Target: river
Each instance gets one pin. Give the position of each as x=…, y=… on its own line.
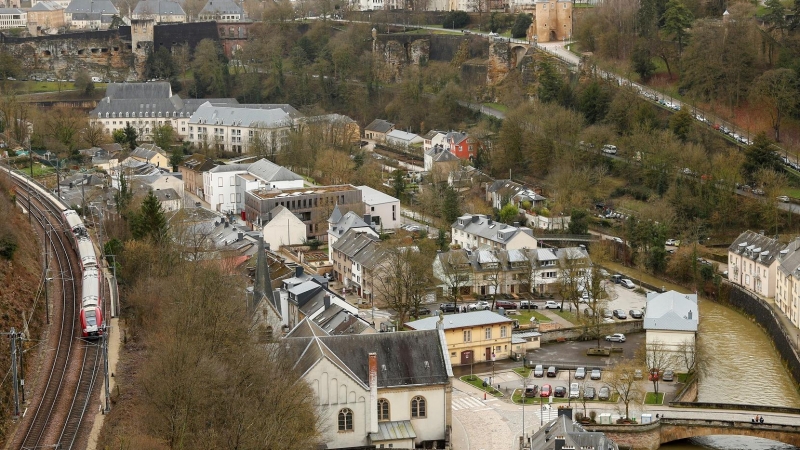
x=745, y=369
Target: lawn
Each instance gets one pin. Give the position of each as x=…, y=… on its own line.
x=524, y=316
x=524, y=372
x=567, y=314
x=682, y=377
x=478, y=383
x=654, y=399
x=497, y=106
x=34, y=87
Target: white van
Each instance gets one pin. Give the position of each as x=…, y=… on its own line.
x=610, y=149
x=96, y=79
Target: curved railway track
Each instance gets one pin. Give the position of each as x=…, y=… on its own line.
x=62, y=397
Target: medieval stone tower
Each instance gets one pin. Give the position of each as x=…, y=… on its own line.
x=553, y=20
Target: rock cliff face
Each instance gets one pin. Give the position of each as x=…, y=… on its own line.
x=398, y=53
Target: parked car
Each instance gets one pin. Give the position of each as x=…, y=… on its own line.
x=550, y=304
x=616, y=337
x=653, y=375
x=604, y=393
x=783, y=198
x=607, y=314
x=627, y=283
x=610, y=149
x=604, y=273
x=538, y=371
x=588, y=392
x=596, y=374
x=552, y=372
x=670, y=242
x=447, y=307
x=637, y=374
x=620, y=314
x=668, y=375
x=580, y=373
x=527, y=304
x=617, y=279
x=479, y=306
x=531, y=391
x=636, y=314
x=423, y=311
x=546, y=391
x=574, y=390
x=559, y=391
x=505, y=304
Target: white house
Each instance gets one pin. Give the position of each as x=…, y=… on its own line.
x=439, y=155
x=339, y=224
x=383, y=389
x=221, y=11
x=473, y=230
x=402, y=139
x=170, y=199
x=237, y=128
x=90, y=14
x=670, y=323
x=220, y=189
x=283, y=228
x=13, y=18
x=160, y=11
x=384, y=210
x=753, y=263
x=787, y=292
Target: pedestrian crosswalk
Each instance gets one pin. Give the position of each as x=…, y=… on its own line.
x=467, y=403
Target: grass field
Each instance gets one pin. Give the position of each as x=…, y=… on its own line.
x=654, y=399
x=497, y=106
x=524, y=372
x=525, y=315
x=478, y=383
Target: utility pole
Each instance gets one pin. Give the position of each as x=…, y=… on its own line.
x=22, y=364
x=105, y=363
x=46, y=272
x=14, y=371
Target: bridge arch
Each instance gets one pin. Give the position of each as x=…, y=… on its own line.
x=780, y=433
x=517, y=53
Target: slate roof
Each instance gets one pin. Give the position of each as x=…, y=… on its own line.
x=372, y=196
x=402, y=136
x=379, y=126
x=198, y=163
x=222, y=168
x=404, y=358
x=269, y=171
x=482, y=226
x=370, y=256
x=790, y=258
x=145, y=152
x=393, y=430
x=671, y=311
x=46, y=5
x=306, y=328
x=348, y=221
x=336, y=320
x=756, y=247
x=431, y=134
x=353, y=241
x=153, y=89
x=336, y=215
x=151, y=99
x=92, y=6
x=11, y=11
x=470, y=319
x=159, y=7
x=441, y=155
x=456, y=137
x=242, y=117
x=221, y=7
x=562, y=432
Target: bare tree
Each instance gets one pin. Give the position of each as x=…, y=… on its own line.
x=403, y=279
x=571, y=276
x=657, y=357
x=622, y=380
x=94, y=135
x=455, y=271
x=592, y=318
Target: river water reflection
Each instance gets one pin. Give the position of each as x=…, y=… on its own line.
x=744, y=368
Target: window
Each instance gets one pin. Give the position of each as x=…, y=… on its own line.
x=418, y=407
x=467, y=335
x=383, y=409
x=220, y=181
x=233, y=198
x=487, y=333
x=346, y=420
x=503, y=331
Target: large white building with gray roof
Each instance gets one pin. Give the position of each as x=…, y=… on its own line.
x=787, y=291
x=145, y=106
x=242, y=129
x=159, y=11
x=753, y=262
x=671, y=321
x=473, y=230
x=90, y=14
x=221, y=11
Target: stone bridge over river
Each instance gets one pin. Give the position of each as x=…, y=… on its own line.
x=782, y=425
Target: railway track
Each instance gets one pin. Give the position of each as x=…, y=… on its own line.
x=62, y=395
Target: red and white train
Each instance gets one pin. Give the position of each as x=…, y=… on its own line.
x=91, y=312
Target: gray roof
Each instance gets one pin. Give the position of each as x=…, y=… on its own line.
x=404, y=358
x=242, y=117
x=160, y=7
x=92, y=6
x=229, y=168
x=153, y=99
x=756, y=247
x=402, y=135
x=221, y=7
x=164, y=195
x=372, y=196
x=379, y=126
x=348, y=221
x=431, y=134
x=336, y=320
x=790, y=258
x=441, y=155
x=46, y=5
x=336, y=215
x=353, y=241
x=483, y=226
x=269, y=171
x=671, y=311
x=393, y=430
x=370, y=256
x=153, y=89
x=470, y=319
x=562, y=432
x=11, y=11
x=146, y=152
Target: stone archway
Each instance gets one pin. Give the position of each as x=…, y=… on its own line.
x=517, y=53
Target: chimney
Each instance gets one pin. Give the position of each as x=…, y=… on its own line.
x=489, y=222
x=516, y=224
x=326, y=301
x=558, y=444
x=239, y=236
x=373, y=392
x=690, y=315
x=298, y=271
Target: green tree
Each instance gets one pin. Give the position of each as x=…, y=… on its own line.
x=521, y=25
x=550, y=83
x=509, y=213
x=451, y=208
x=160, y=65
x=778, y=90
x=150, y=222
x=677, y=21
x=760, y=155
x=398, y=183
x=83, y=82
x=594, y=102
x=210, y=69
x=164, y=136
x=681, y=123
x=130, y=136
x=123, y=195
x=455, y=19
x=119, y=137
x=642, y=61
x=578, y=222
x=775, y=15
x=175, y=159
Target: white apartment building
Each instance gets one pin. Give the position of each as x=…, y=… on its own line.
x=221, y=11
x=670, y=322
x=787, y=292
x=384, y=210
x=13, y=18
x=220, y=187
x=159, y=11
x=90, y=14
x=235, y=128
x=753, y=263
x=473, y=230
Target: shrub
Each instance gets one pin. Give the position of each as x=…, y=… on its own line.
x=8, y=245
x=520, y=28
x=455, y=19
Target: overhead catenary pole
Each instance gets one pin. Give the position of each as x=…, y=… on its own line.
x=14, y=371
x=46, y=272
x=105, y=364
x=21, y=337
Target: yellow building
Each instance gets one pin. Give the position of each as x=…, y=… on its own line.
x=472, y=337
x=553, y=21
